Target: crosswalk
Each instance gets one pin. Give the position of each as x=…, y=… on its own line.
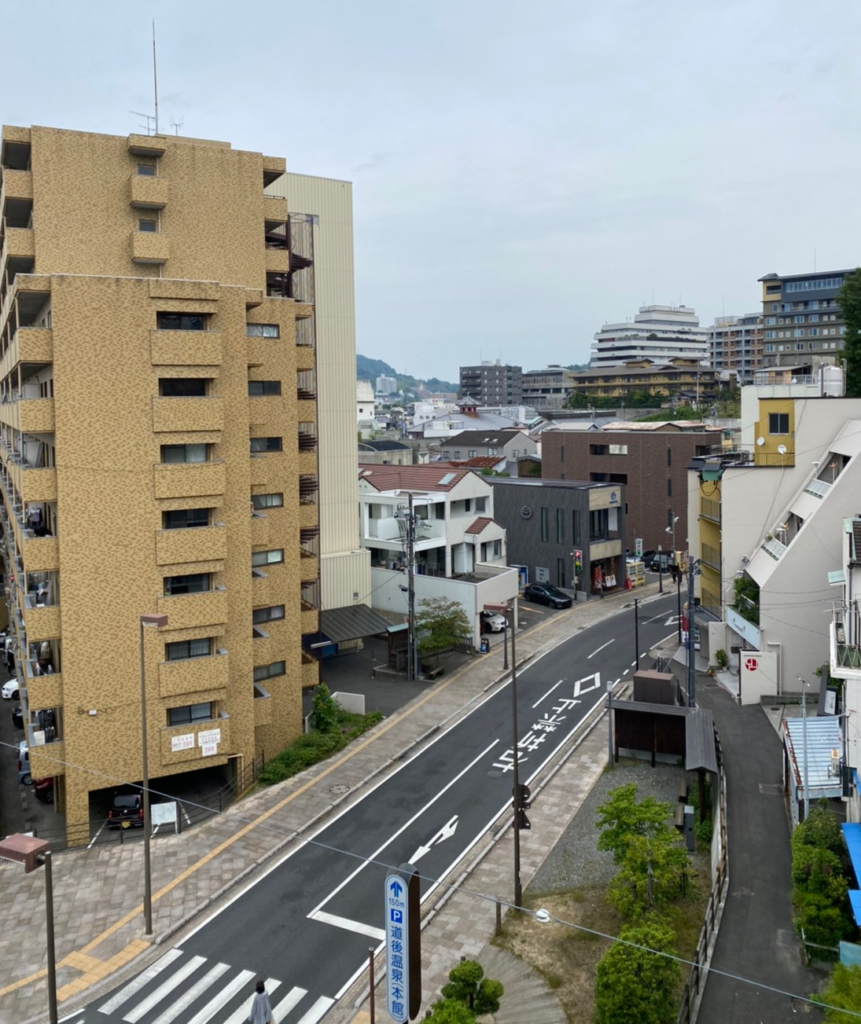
x=184, y=989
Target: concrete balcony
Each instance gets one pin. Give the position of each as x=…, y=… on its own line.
x=41, y=554
x=275, y=209
x=35, y=415
x=48, y=760
x=41, y=623
x=181, y=743
x=310, y=671
x=305, y=357
x=309, y=621
x=38, y=484
x=263, y=706
x=19, y=242
x=259, y=530
x=185, y=348
x=149, y=247
x=29, y=345
x=182, y=415
x=260, y=588
x=193, y=544
x=189, y=611
x=309, y=515
x=44, y=691
x=307, y=463
x=261, y=647
x=147, y=192
x=16, y=185
x=277, y=261
x=193, y=675
x=306, y=411
x=188, y=479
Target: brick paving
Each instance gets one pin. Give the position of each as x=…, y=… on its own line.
x=97, y=893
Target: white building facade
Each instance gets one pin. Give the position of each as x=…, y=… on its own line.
x=659, y=333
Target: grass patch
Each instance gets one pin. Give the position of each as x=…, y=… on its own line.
x=313, y=747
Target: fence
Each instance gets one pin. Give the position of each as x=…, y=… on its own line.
x=191, y=813
x=696, y=981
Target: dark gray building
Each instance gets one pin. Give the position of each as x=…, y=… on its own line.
x=492, y=383
x=564, y=532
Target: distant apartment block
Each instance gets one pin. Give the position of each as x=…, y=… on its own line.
x=687, y=379
x=492, y=383
x=735, y=344
x=157, y=361
x=802, y=323
x=549, y=388
x=660, y=333
x=386, y=385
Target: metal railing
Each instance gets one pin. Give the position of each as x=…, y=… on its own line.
x=818, y=488
x=710, y=509
x=774, y=548
x=710, y=555
x=696, y=980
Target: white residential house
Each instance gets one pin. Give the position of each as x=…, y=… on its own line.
x=459, y=552
x=772, y=513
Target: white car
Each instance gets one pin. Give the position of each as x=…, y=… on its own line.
x=10, y=690
x=493, y=621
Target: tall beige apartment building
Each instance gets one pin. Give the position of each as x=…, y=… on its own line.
x=158, y=454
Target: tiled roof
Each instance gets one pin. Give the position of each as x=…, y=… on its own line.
x=479, y=437
x=438, y=476
x=479, y=524
x=479, y=461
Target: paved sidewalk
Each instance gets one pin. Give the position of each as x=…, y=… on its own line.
x=98, y=913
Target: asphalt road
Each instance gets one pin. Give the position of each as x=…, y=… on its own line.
x=307, y=924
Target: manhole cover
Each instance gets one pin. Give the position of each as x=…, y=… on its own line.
x=339, y=790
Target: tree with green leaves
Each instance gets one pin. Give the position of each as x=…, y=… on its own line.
x=621, y=818
x=636, y=982
x=842, y=991
x=440, y=625
x=849, y=300
x=324, y=709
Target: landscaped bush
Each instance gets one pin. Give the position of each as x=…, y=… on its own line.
x=313, y=747
x=820, y=887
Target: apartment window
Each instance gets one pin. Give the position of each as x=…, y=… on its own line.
x=799, y=319
x=480, y=504
x=193, y=583
x=799, y=346
x=598, y=524
x=769, y=334
x=778, y=423
x=561, y=452
x=471, y=453
x=264, y=387
x=497, y=549
x=457, y=455
x=560, y=525
x=813, y=318
x=814, y=332
x=182, y=650
x=183, y=387
x=260, y=501
x=266, y=444
x=191, y=713
x=814, y=345
x=799, y=333
x=185, y=518
x=774, y=307
x=599, y=449
x=267, y=557
x=669, y=456
x=184, y=452
x=618, y=449
x=491, y=451
x=147, y=224
x=262, y=330
x=181, y=321
x=270, y=614
x=669, y=487
x=275, y=668
x=575, y=526
x=146, y=170
x=446, y=455
x=770, y=321
x=545, y=524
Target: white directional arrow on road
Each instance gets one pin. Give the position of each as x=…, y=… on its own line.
x=673, y=620
x=446, y=832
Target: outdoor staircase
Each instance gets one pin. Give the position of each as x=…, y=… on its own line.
x=527, y=996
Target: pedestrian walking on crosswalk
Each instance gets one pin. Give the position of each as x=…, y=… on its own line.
x=261, y=1011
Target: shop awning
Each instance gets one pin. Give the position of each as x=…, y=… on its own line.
x=351, y=623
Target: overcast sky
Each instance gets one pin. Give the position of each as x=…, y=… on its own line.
x=523, y=172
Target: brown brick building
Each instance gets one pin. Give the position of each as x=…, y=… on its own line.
x=649, y=460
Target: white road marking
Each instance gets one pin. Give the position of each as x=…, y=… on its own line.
x=552, y=688
x=293, y=998
x=446, y=832
x=627, y=670
x=129, y=990
x=96, y=836
x=324, y=917
x=240, y=1016
x=403, y=828
x=317, y=1010
x=189, y=996
x=163, y=990
x=601, y=648
x=580, y=690
x=223, y=997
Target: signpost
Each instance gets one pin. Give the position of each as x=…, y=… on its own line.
x=403, y=950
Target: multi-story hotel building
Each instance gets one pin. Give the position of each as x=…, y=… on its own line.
x=158, y=455
x=659, y=333
x=735, y=343
x=802, y=321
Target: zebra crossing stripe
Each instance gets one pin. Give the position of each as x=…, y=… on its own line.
x=223, y=997
x=127, y=991
x=193, y=993
x=240, y=1016
x=287, y=1003
x=317, y=1010
x=174, y=981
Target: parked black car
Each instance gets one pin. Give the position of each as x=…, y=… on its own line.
x=18, y=717
x=126, y=811
x=544, y=593
x=661, y=561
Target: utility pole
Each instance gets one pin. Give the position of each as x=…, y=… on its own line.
x=637, y=632
x=411, y=590
x=693, y=570
x=518, y=806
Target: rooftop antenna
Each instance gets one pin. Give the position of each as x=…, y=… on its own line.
x=149, y=118
x=176, y=125
x=154, y=77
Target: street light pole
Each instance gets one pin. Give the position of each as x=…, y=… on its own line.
x=637, y=632
x=518, y=891
x=158, y=621
x=505, y=645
